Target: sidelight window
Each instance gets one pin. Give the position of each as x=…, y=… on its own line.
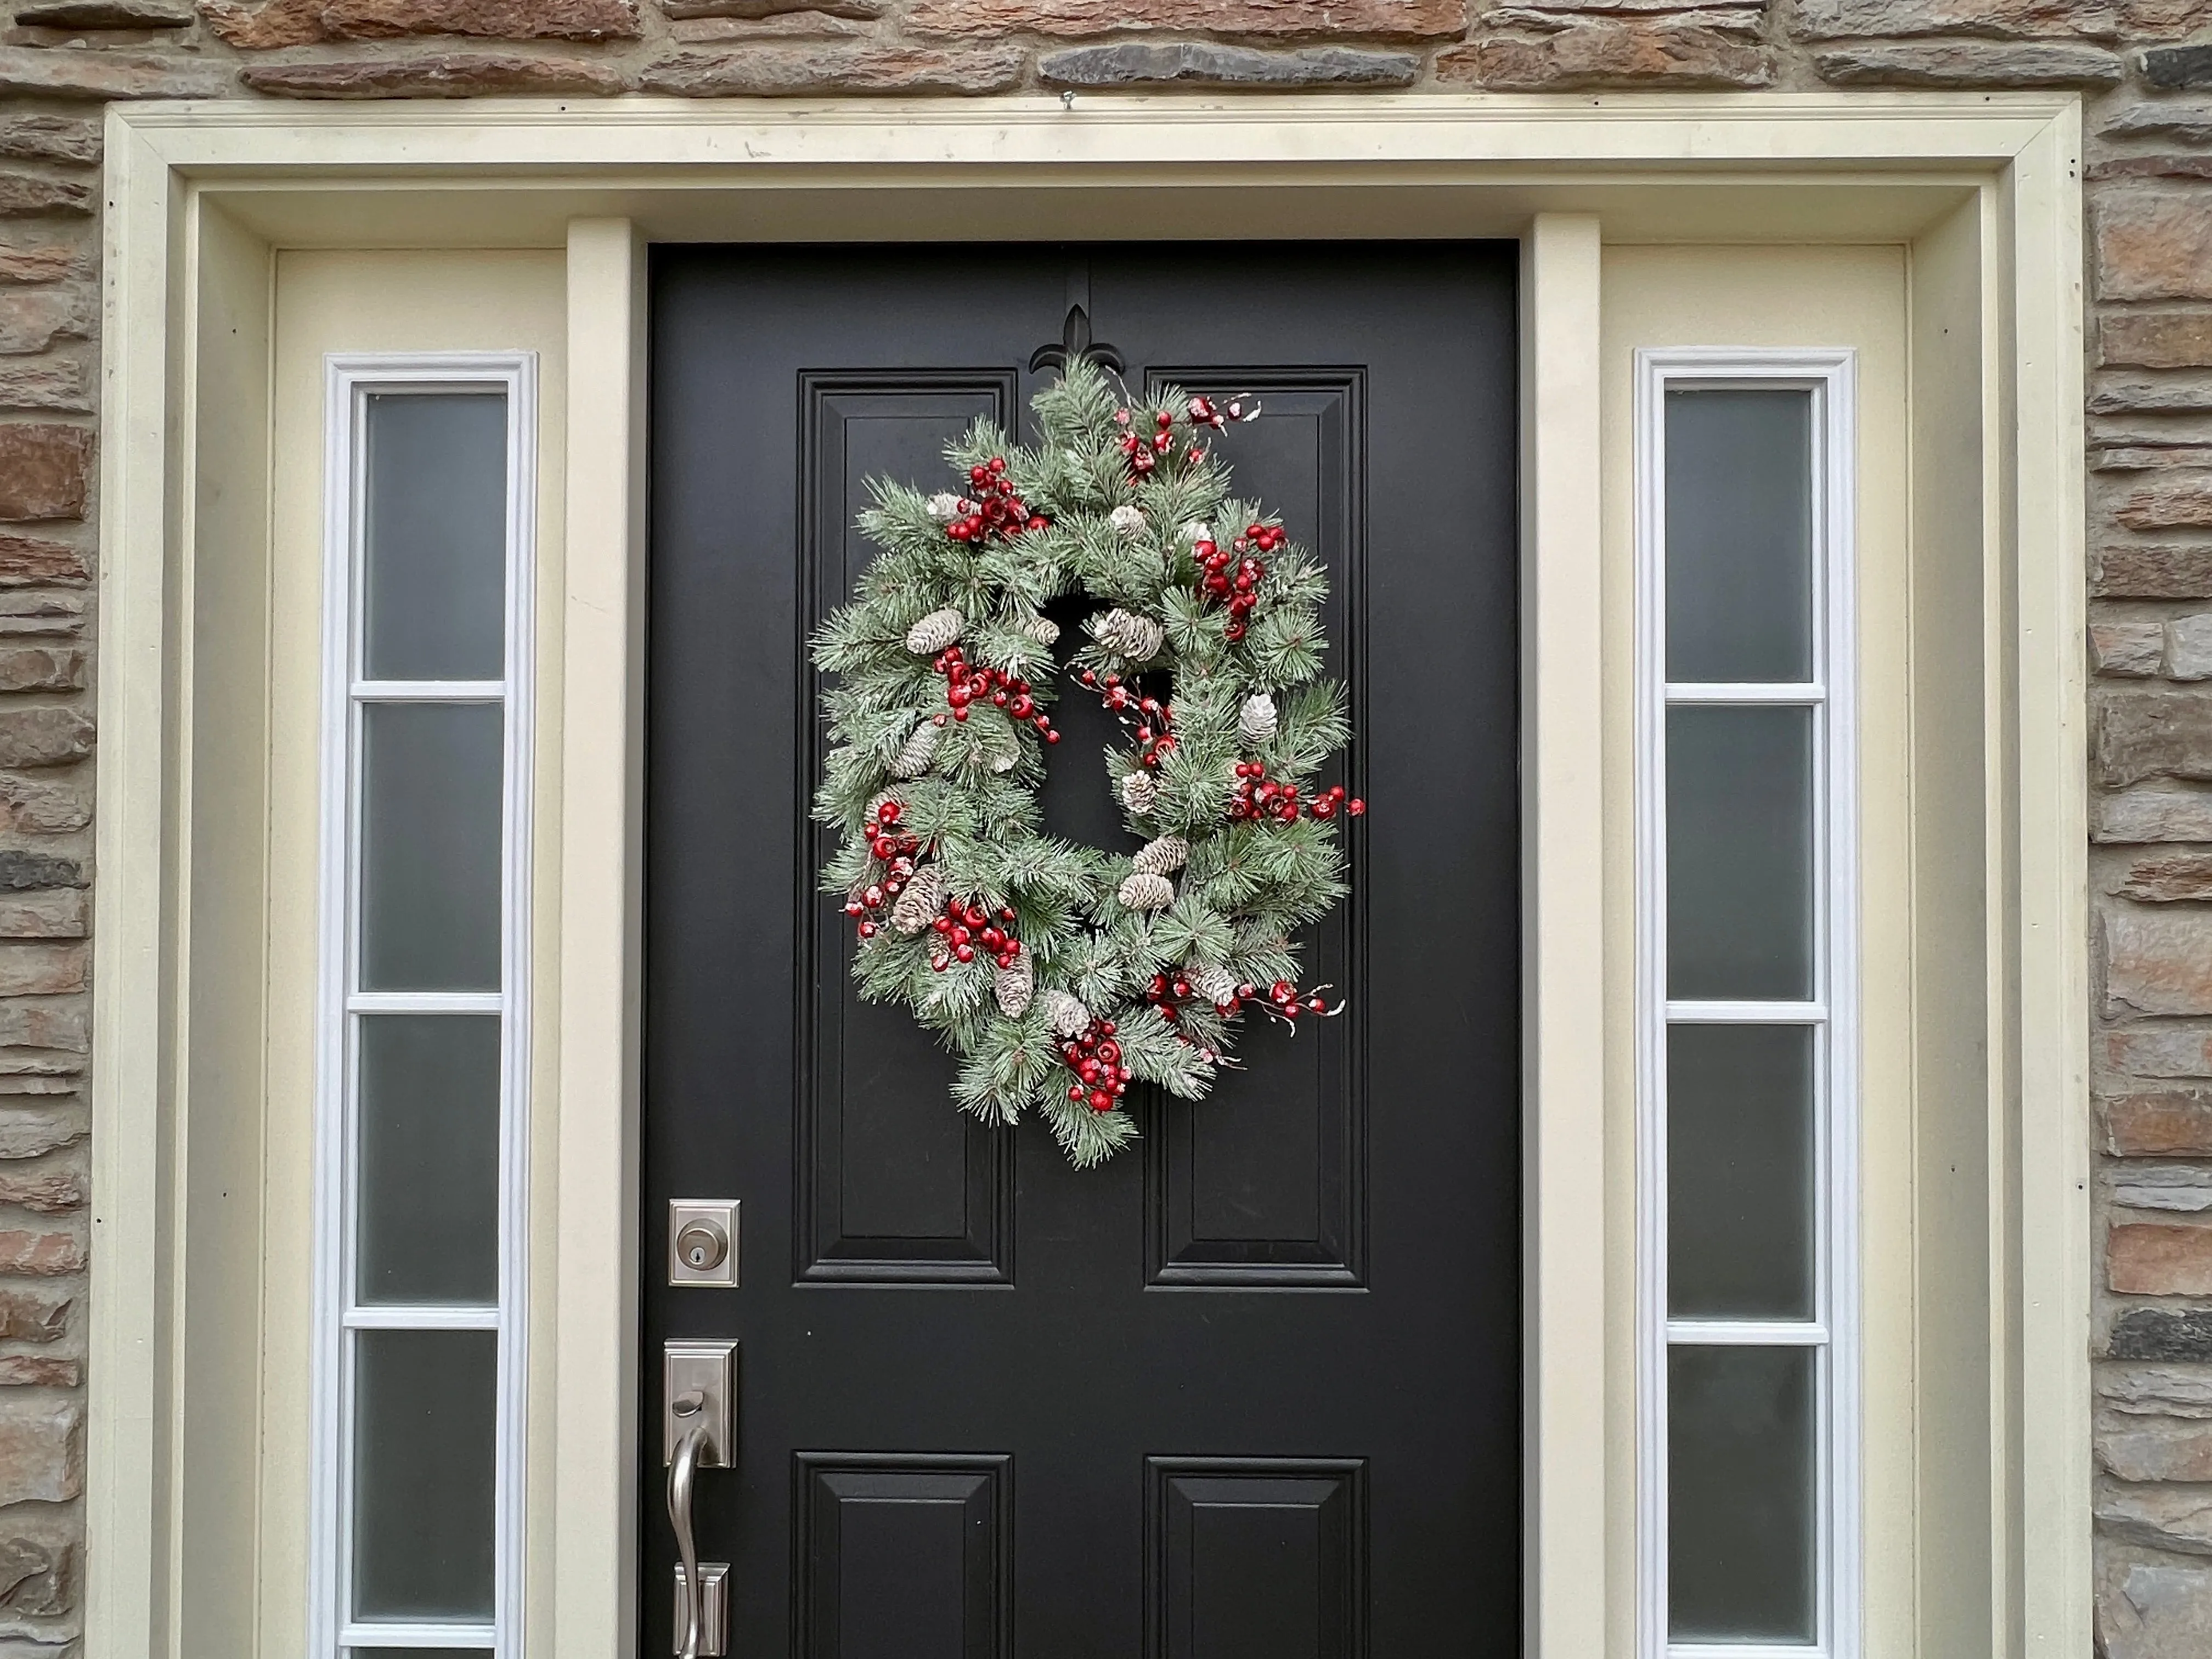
x=420, y=1202
x=1748, y=1108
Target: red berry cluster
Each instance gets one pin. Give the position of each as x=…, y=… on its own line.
x=1259, y=797
x=1101, y=1079
x=997, y=511
x=1152, y=721
x=896, y=849
x=968, y=928
x=1239, y=588
x=1168, y=992
x=1145, y=453
x=966, y=682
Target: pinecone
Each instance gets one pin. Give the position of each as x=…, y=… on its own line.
x=1128, y=520
x=876, y=803
x=1005, y=752
x=1013, y=985
x=1255, y=721
x=1161, y=857
x=1042, y=629
x=1212, y=981
x=1066, y=1016
x=1144, y=889
x=1139, y=793
x=1197, y=530
x=914, y=755
x=1127, y=635
x=920, y=900
x=934, y=632
x=944, y=506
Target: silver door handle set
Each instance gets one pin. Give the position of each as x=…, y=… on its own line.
x=698, y=1417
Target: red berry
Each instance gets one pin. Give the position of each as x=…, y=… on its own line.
x=867, y=930
x=1355, y=807
x=965, y=953
x=1101, y=1100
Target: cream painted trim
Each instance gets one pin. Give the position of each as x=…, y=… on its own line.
x=1866, y=166
x=602, y=811
x=1563, y=933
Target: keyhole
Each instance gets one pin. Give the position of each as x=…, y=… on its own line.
x=703, y=1245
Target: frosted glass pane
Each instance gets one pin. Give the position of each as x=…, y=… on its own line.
x=1740, y=852
x=431, y=784
x=429, y=1158
x=435, y=524
x=1739, y=1171
x=423, y=1460
x=1739, y=535
x=1741, y=1534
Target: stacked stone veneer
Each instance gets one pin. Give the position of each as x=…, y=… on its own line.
x=2145, y=67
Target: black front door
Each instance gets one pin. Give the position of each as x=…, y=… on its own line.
x=1251, y=1390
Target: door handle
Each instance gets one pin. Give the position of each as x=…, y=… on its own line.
x=698, y=1406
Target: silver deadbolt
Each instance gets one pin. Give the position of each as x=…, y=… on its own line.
x=703, y=1245
x=702, y=1241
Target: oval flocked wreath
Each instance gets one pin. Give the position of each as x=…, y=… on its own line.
x=1060, y=973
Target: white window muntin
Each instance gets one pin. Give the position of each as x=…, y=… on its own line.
x=340, y=1312
x=1830, y=1012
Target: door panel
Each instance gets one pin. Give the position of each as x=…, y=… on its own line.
x=1253, y=1387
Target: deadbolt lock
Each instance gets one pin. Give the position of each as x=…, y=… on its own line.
x=702, y=1241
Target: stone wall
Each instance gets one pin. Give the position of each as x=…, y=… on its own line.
x=2145, y=67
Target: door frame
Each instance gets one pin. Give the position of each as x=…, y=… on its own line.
x=1985, y=190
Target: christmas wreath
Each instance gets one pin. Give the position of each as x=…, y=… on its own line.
x=1061, y=974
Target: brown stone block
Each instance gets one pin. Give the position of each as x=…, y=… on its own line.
x=34, y=1312
x=33, y=318
x=38, y=259
x=2136, y=816
x=2178, y=1518
x=2157, y=1123
x=47, y=1186
x=761, y=9
x=303, y=22
x=2145, y=1258
x=840, y=66
x=2173, y=397
x=1210, y=63
x=24, y=1250
x=2131, y=650
x=2155, y=244
x=1412, y=19
x=38, y=1570
x=42, y=969
x=49, y=139
x=42, y=1127
x=2157, y=1451
x=2156, y=339
x=2191, y=124
x=46, y=470
x=784, y=26
x=2157, y=963
x=1608, y=51
x=46, y=384
x=41, y=668
x=2146, y=734
x=25, y=71
x=51, y=736
x=50, y=913
x=2083, y=19
x=2149, y=167
x=24, y=194
x=41, y=1450
x=27, y=561
x=2167, y=877
x=2167, y=504
x=438, y=74
x=1963, y=63
x=2137, y=571
x=35, y=1371
x=105, y=14
x=38, y=806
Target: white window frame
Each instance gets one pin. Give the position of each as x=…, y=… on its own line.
x=349, y=379
x=1829, y=376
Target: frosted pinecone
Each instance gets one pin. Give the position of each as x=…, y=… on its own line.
x=1162, y=857
x=944, y=506
x=1127, y=635
x=1004, y=752
x=1128, y=520
x=1066, y=1016
x=1197, y=530
x=1256, y=720
x=935, y=631
x=877, y=802
x=914, y=755
x=1212, y=981
x=1044, y=629
x=920, y=900
x=1144, y=889
x=1013, y=985
x=1139, y=793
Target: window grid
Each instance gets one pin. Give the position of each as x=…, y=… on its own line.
x=1828, y=1013
x=341, y=1316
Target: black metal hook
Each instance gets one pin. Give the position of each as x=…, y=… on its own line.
x=1075, y=342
